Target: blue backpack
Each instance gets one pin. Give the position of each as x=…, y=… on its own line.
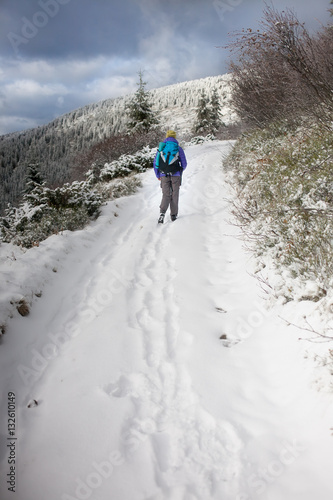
x=168, y=161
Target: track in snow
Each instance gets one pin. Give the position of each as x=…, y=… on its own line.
x=141, y=399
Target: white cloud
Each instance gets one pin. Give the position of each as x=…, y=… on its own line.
x=109, y=87
x=171, y=57
x=43, y=90
x=10, y=123
x=66, y=71
x=23, y=89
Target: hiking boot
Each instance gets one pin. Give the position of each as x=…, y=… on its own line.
x=161, y=219
x=173, y=217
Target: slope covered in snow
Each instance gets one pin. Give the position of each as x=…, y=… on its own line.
x=157, y=370
x=175, y=105
x=62, y=141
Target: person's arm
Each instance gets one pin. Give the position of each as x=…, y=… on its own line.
x=182, y=157
x=156, y=170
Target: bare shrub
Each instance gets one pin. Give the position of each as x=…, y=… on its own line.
x=282, y=72
x=112, y=148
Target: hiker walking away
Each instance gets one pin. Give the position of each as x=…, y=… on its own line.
x=169, y=163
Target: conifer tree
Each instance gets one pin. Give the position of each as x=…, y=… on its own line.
x=34, y=192
x=33, y=178
x=208, y=114
x=203, y=114
x=140, y=113
x=215, y=112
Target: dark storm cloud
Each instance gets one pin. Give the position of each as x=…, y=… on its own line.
x=84, y=28
x=68, y=28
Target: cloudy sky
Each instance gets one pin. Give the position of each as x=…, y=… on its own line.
x=58, y=55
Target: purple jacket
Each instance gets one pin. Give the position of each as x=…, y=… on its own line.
x=182, y=158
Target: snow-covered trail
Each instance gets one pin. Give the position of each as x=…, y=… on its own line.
x=139, y=398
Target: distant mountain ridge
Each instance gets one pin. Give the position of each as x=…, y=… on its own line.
x=56, y=144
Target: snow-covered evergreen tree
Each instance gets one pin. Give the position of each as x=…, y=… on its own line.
x=203, y=111
x=141, y=115
x=34, y=193
x=34, y=178
x=208, y=113
x=215, y=112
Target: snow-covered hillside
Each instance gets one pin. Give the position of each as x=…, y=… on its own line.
x=175, y=104
x=57, y=145
x=150, y=368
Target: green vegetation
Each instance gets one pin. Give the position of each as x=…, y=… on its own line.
x=281, y=169
x=45, y=211
x=283, y=180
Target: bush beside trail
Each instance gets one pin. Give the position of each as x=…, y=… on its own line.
x=283, y=184
x=45, y=211
x=282, y=71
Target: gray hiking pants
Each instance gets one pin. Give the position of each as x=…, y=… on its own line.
x=170, y=193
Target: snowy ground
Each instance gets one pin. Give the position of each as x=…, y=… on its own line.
x=138, y=396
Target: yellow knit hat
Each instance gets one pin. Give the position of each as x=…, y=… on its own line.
x=171, y=133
